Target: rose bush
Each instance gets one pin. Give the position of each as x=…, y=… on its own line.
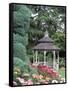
x=47, y=71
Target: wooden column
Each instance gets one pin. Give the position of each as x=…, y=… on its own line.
x=33, y=57
x=57, y=60
x=54, y=58
x=44, y=57
x=36, y=55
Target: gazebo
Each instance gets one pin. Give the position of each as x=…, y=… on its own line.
x=45, y=45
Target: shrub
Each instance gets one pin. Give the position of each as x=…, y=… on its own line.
x=20, y=67
x=20, y=51
x=62, y=62
x=47, y=71
x=20, y=39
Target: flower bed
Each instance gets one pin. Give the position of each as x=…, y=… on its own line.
x=45, y=75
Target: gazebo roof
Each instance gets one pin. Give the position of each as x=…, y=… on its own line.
x=45, y=40
x=46, y=46
x=46, y=43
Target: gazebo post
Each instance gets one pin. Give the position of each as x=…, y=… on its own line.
x=44, y=57
x=54, y=57
x=57, y=60
x=33, y=56
x=36, y=55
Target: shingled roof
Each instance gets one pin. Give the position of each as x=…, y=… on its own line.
x=46, y=43
x=45, y=40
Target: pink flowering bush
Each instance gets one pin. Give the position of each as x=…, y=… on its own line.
x=47, y=71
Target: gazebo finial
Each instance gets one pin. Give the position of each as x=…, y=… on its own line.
x=46, y=34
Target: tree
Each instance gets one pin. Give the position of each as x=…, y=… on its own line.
x=21, y=17
x=19, y=39
x=59, y=40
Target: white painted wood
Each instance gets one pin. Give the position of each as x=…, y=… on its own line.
x=54, y=58
x=57, y=60
x=36, y=55
x=44, y=57
x=33, y=57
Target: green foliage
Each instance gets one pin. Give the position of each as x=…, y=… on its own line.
x=40, y=56
x=21, y=19
x=19, y=30
x=18, y=68
x=21, y=16
x=21, y=39
x=62, y=62
x=20, y=64
x=59, y=39
x=33, y=70
x=20, y=51
x=50, y=18
x=17, y=62
x=62, y=72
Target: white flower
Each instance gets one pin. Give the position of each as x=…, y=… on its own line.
x=54, y=81
x=25, y=83
x=21, y=80
x=62, y=80
x=14, y=83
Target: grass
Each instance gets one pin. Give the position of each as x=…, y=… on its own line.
x=62, y=72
